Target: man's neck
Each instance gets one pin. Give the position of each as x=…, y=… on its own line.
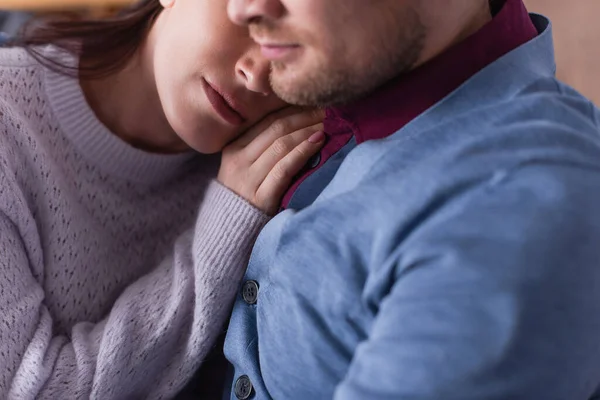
x=445, y=36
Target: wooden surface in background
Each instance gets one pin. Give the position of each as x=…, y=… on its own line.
x=38, y=5
x=577, y=41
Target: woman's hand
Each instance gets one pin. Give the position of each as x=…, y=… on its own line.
x=260, y=165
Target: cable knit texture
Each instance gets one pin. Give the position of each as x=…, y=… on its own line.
x=108, y=288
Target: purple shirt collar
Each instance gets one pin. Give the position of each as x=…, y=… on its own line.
x=400, y=101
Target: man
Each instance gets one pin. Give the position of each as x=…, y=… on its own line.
x=446, y=245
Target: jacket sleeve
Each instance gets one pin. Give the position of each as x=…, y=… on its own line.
x=496, y=296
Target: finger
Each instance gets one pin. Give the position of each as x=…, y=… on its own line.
x=281, y=128
x=280, y=177
x=279, y=149
x=264, y=124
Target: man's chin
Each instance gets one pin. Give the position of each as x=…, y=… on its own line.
x=304, y=93
x=315, y=86
x=292, y=96
x=286, y=86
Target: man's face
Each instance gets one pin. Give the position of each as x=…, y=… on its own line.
x=326, y=52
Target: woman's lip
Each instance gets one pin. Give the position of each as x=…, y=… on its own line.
x=278, y=52
x=221, y=106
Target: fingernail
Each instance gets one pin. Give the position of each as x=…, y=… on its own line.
x=317, y=137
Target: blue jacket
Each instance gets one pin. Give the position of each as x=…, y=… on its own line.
x=457, y=259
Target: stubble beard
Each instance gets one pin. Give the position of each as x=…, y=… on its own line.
x=331, y=82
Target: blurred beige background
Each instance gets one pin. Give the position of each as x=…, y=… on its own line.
x=577, y=41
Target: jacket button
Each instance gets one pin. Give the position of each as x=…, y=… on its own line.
x=250, y=292
x=243, y=388
x=314, y=161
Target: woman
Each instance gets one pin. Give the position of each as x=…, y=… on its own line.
x=99, y=183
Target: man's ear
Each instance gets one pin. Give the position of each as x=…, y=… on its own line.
x=167, y=3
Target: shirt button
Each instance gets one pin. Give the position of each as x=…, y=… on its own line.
x=314, y=161
x=250, y=292
x=243, y=388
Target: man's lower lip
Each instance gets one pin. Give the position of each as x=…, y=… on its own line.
x=221, y=107
x=278, y=53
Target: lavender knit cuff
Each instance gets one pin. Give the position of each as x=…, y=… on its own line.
x=226, y=229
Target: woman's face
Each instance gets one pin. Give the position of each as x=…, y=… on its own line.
x=212, y=81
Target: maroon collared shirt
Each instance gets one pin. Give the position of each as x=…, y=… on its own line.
x=397, y=103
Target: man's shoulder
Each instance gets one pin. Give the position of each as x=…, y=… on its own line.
x=546, y=133
x=551, y=99
x=547, y=121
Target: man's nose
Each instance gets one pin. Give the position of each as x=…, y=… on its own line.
x=242, y=12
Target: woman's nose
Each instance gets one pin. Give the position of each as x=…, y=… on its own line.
x=254, y=70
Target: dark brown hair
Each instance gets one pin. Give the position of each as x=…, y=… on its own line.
x=104, y=46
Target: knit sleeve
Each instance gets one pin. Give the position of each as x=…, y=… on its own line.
x=157, y=332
